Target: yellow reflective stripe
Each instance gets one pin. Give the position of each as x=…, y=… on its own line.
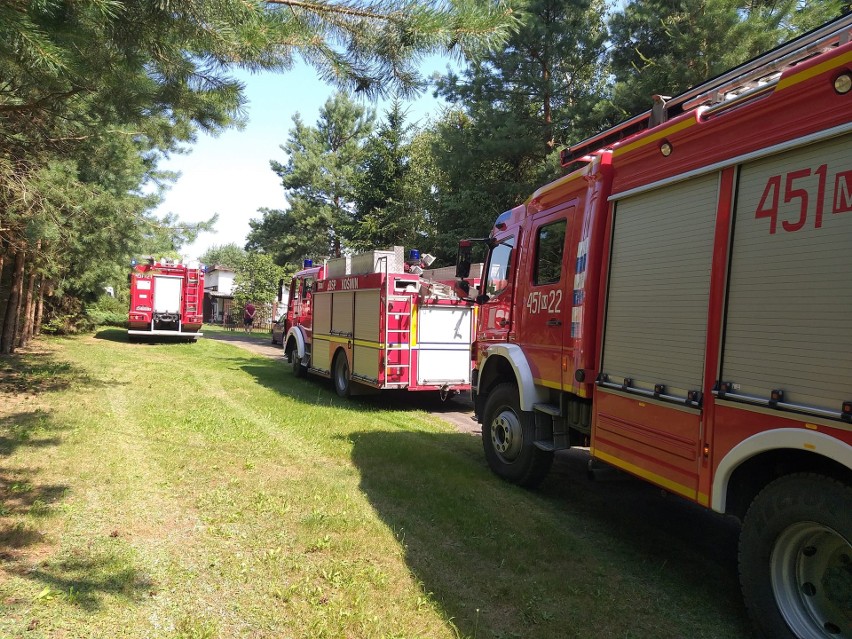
x=668, y=484
x=412, y=336
x=816, y=70
x=659, y=135
x=581, y=392
x=548, y=384
x=338, y=339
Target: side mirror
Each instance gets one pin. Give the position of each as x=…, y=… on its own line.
x=280, y=289
x=463, y=259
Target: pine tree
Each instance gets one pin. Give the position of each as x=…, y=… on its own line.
x=319, y=180
x=665, y=46
x=386, y=206
x=132, y=80
x=513, y=112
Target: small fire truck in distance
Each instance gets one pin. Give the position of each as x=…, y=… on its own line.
x=165, y=299
x=373, y=321
x=682, y=305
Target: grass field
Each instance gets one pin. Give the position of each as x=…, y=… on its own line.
x=196, y=491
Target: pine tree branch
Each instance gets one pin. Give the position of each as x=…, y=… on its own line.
x=322, y=8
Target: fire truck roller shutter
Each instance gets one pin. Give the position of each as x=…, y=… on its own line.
x=365, y=360
x=444, y=344
x=322, y=313
x=789, y=321
x=656, y=313
x=320, y=345
x=167, y=293
x=341, y=313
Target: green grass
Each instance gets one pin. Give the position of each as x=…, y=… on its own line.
x=196, y=491
x=257, y=334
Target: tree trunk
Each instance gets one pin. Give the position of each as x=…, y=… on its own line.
x=3, y=299
x=39, y=310
x=10, y=321
x=29, y=302
x=28, y=309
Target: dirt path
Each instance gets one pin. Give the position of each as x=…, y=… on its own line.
x=458, y=411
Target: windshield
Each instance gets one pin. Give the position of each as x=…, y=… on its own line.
x=497, y=277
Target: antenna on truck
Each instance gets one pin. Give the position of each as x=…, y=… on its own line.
x=742, y=83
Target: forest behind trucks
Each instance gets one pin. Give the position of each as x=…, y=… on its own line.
x=681, y=303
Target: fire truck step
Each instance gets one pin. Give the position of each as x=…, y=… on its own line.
x=550, y=431
x=549, y=409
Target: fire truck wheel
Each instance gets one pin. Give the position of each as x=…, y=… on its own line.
x=796, y=558
x=340, y=375
x=507, y=437
x=296, y=364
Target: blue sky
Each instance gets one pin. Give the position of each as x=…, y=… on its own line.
x=230, y=174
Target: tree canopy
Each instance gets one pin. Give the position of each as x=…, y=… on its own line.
x=93, y=93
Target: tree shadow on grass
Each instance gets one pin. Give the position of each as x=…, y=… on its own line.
x=22, y=498
x=112, y=334
x=575, y=559
x=34, y=373
x=85, y=580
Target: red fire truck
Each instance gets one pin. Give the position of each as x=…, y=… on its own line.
x=373, y=321
x=681, y=303
x=165, y=300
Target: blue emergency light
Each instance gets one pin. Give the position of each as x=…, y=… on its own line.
x=307, y=264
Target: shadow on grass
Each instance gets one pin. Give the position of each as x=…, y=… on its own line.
x=599, y=558
x=119, y=335
x=575, y=558
x=22, y=498
x=84, y=580
x=34, y=373
x=24, y=425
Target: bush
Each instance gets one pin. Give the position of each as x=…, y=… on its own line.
x=106, y=311
x=106, y=318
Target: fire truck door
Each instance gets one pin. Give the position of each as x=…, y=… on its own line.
x=544, y=306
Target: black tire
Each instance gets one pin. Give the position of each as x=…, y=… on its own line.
x=340, y=375
x=296, y=363
x=795, y=558
x=507, y=438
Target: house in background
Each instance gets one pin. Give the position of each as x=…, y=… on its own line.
x=218, y=294
x=219, y=300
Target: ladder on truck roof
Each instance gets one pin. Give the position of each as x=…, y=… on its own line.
x=742, y=83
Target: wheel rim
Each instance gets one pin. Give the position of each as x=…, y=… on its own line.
x=341, y=376
x=811, y=573
x=506, y=435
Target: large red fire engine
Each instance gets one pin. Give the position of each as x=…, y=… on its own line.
x=682, y=305
x=373, y=321
x=165, y=300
